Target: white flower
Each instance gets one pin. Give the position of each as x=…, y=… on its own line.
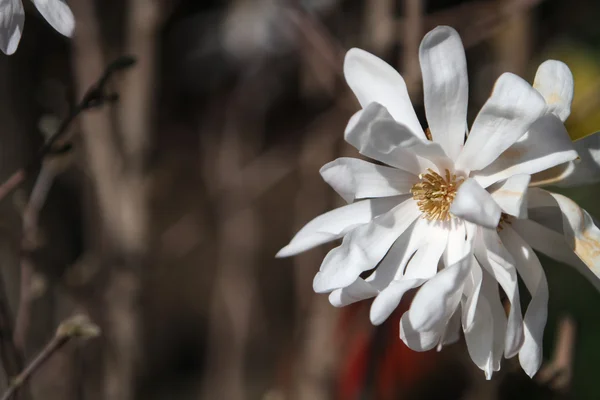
x=12, y=18
x=450, y=216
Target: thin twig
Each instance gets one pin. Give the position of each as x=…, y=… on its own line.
x=78, y=326
x=94, y=97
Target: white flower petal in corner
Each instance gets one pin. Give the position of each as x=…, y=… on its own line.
x=509, y=112
x=12, y=19
x=357, y=179
x=373, y=80
x=554, y=81
x=58, y=14
x=510, y=195
x=580, y=232
x=546, y=145
x=363, y=248
x=530, y=270
x=474, y=204
x=336, y=223
x=445, y=87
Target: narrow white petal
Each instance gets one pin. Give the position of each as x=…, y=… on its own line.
x=373, y=80
x=386, y=302
x=497, y=261
x=437, y=300
x=392, y=265
x=364, y=247
x=546, y=145
x=12, y=19
x=377, y=135
x=58, y=14
x=530, y=270
x=417, y=340
x=357, y=179
x=474, y=204
x=336, y=223
x=552, y=244
x=357, y=291
x=452, y=332
x=509, y=112
x=510, y=195
x=424, y=263
x=583, y=171
x=471, y=292
x=580, y=232
x=554, y=81
x=445, y=87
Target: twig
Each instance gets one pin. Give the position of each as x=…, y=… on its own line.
x=558, y=373
x=12, y=358
x=94, y=97
x=78, y=326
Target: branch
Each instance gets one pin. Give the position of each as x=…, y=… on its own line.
x=78, y=326
x=95, y=96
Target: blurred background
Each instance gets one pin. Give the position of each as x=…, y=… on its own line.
x=161, y=218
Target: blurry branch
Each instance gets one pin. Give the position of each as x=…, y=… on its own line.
x=78, y=326
x=380, y=29
x=94, y=97
x=557, y=374
x=12, y=358
x=413, y=33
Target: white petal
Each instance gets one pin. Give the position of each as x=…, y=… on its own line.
x=460, y=238
x=452, y=331
x=336, y=223
x=509, y=112
x=554, y=81
x=364, y=247
x=584, y=171
x=424, y=263
x=58, y=14
x=437, y=300
x=552, y=244
x=386, y=302
x=392, y=265
x=418, y=341
x=471, y=292
x=12, y=19
x=377, y=135
x=357, y=179
x=510, y=195
x=580, y=232
x=497, y=261
x=445, y=87
x=546, y=145
x=530, y=270
x=474, y=204
x=357, y=291
x=373, y=80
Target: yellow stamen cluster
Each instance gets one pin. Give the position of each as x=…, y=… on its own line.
x=435, y=193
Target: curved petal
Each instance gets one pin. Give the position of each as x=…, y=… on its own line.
x=474, y=204
x=584, y=171
x=373, y=80
x=530, y=270
x=424, y=263
x=12, y=19
x=554, y=81
x=58, y=14
x=552, y=244
x=510, y=195
x=377, y=135
x=445, y=87
x=509, y=112
x=357, y=179
x=386, y=302
x=498, y=262
x=387, y=270
x=416, y=340
x=452, y=332
x=579, y=230
x=364, y=247
x=546, y=145
x=471, y=292
x=336, y=223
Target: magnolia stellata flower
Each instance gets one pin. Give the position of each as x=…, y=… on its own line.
x=450, y=216
x=12, y=18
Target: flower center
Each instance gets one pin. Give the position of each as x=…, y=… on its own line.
x=435, y=193
x=505, y=219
